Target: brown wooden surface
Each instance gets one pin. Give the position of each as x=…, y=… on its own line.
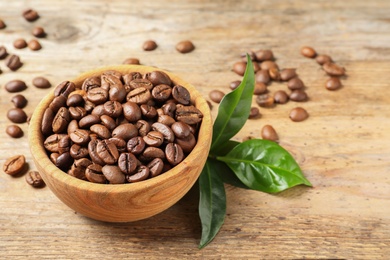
x=343, y=148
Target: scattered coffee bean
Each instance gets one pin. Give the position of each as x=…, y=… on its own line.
x=295, y=83
x=13, y=62
x=133, y=61
x=34, y=45
x=298, y=95
x=269, y=133
x=268, y=64
x=234, y=84
x=287, y=74
x=260, y=88
x=254, y=113
x=149, y=45
x=281, y=97
x=323, y=58
x=20, y=43
x=265, y=100
x=14, y=131
x=333, y=69
x=3, y=52
x=274, y=74
x=17, y=115
x=185, y=47
x=34, y=179
x=38, y=32
x=333, y=83
x=19, y=101
x=15, y=86
x=30, y=15
x=216, y=95
x=298, y=114
x=2, y=24
x=14, y=165
x=262, y=76
x=262, y=55
x=41, y=82
x=308, y=52
x=239, y=67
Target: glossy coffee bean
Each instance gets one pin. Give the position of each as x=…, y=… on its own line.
x=187, y=143
x=90, y=83
x=79, y=167
x=101, y=131
x=98, y=110
x=75, y=100
x=112, y=108
x=153, y=152
x=119, y=143
x=38, y=32
x=174, y=153
x=64, y=161
x=162, y=92
x=64, y=144
x=14, y=165
x=127, y=163
x=53, y=157
x=92, y=149
x=156, y=167
x=57, y=103
x=107, y=151
x=3, y=52
x=20, y=43
x=13, y=62
x=142, y=173
x=262, y=76
x=262, y=55
x=19, y=101
x=97, y=95
x=41, y=82
x=295, y=83
x=154, y=138
x=139, y=95
x=260, y=88
x=298, y=114
x=298, y=95
x=80, y=136
x=216, y=95
x=51, y=142
x=143, y=127
x=133, y=61
x=34, y=45
x=149, y=45
x=117, y=93
x=125, y=131
x=165, y=130
x=269, y=133
x=14, y=131
x=287, y=74
x=64, y=89
x=181, y=130
x=268, y=64
x=323, y=58
x=30, y=15
x=185, y=46
x=181, y=95
x=169, y=109
x=234, y=84
x=2, y=24
x=265, y=100
x=254, y=113
x=308, y=52
x=239, y=68
x=333, y=83
x=94, y=174
x=281, y=97
x=158, y=77
x=15, y=86
x=138, y=83
x=17, y=115
x=136, y=145
x=113, y=174
x=131, y=111
x=88, y=121
x=148, y=111
x=274, y=74
x=78, y=151
x=34, y=179
x=77, y=112
x=188, y=114
x=108, y=122
x=333, y=69
x=61, y=120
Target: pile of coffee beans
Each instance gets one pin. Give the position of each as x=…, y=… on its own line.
x=118, y=128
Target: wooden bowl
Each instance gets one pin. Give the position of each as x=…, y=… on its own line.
x=123, y=202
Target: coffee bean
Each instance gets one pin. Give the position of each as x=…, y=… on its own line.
x=61, y=120
x=169, y=109
x=142, y=173
x=30, y=15
x=90, y=83
x=34, y=45
x=20, y=43
x=112, y=108
x=88, y=121
x=117, y=93
x=153, y=152
x=97, y=95
x=92, y=150
x=174, y=153
x=287, y=74
x=80, y=136
x=77, y=151
x=308, y=52
x=239, y=68
x=265, y=100
x=252, y=56
x=154, y=138
x=108, y=122
x=94, y=173
x=64, y=161
x=188, y=114
x=38, y=32
x=17, y=115
x=51, y=142
x=165, y=130
x=15, y=86
x=131, y=111
x=149, y=45
x=333, y=69
x=166, y=120
x=298, y=95
x=323, y=58
x=133, y=61
x=333, y=83
x=47, y=121
x=14, y=165
x=13, y=62
x=75, y=100
x=254, y=113
x=125, y=131
x=260, y=88
x=2, y=24
x=187, y=143
x=72, y=126
x=181, y=95
x=158, y=77
x=262, y=55
x=234, y=84
x=19, y=101
x=143, y=127
x=14, y=131
x=113, y=174
x=180, y=129
x=216, y=95
x=64, y=89
x=274, y=74
x=109, y=78
x=185, y=47
x=156, y=167
x=107, y=151
x=161, y=92
x=298, y=114
x=139, y=95
x=281, y=97
x=98, y=111
x=79, y=167
x=127, y=163
x=53, y=157
x=148, y=111
x=57, y=103
x=269, y=133
x=295, y=83
x=41, y=82
x=262, y=76
x=101, y=131
x=34, y=179
x=268, y=64
x=136, y=145
x=3, y=52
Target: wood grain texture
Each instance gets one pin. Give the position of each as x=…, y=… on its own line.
x=343, y=148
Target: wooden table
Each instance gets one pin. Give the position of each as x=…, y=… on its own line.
x=343, y=148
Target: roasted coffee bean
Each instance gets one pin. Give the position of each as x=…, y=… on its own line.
x=75, y=100
x=323, y=58
x=298, y=114
x=77, y=112
x=333, y=69
x=158, y=77
x=108, y=122
x=174, y=153
x=156, y=167
x=169, y=109
x=269, y=133
x=88, y=121
x=13, y=62
x=119, y=143
x=41, y=82
x=161, y=92
x=51, y=142
x=14, y=131
x=98, y=110
x=72, y=126
x=127, y=163
x=181, y=130
x=216, y=95
x=112, y=108
x=64, y=144
x=61, y=120
x=94, y=174
x=3, y=52
x=110, y=78
x=17, y=115
x=125, y=131
x=34, y=45
x=64, y=89
x=79, y=167
x=90, y=83
x=143, y=127
x=188, y=114
x=20, y=43
x=139, y=95
x=30, y=15
x=265, y=100
x=185, y=47
x=107, y=151
x=295, y=83
x=165, y=130
x=308, y=52
x=262, y=55
x=333, y=83
x=101, y=131
x=149, y=45
x=154, y=138
x=133, y=61
x=2, y=24
x=113, y=174
x=117, y=93
x=260, y=88
x=254, y=113
x=298, y=95
x=136, y=145
x=287, y=74
x=142, y=173
x=262, y=76
x=138, y=83
x=239, y=68
x=80, y=136
x=34, y=179
x=131, y=111
x=19, y=101
x=268, y=64
x=166, y=120
x=77, y=151
x=15, y=86
x=153, y=152
x=274, y=74
x=281, y=97
x=14, y=165
x=92, y=149
x=234, y=84
x=148, y=111
x=64, y=161
x=53, y=157
x=38, y=32
x=57, y=103
x=187, y=143
x=97, y=95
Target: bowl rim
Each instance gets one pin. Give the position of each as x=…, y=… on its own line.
x=38, y=152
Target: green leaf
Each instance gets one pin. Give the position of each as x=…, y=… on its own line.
x=226, y=147
x=265, y=166
x=212, y=202
x=227, y=175
x=233, y=110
